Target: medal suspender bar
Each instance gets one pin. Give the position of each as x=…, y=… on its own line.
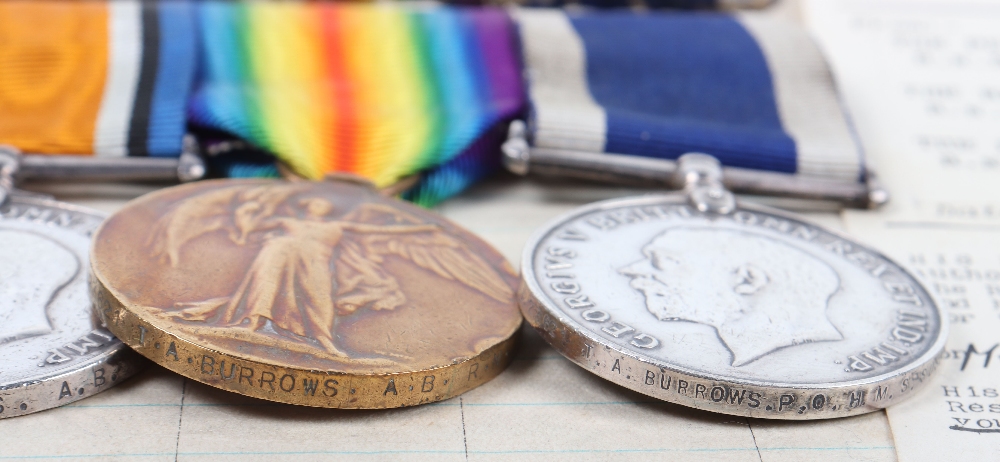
x=522, y=159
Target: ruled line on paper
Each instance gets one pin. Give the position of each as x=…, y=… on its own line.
x=510, y=452
x=267, y=404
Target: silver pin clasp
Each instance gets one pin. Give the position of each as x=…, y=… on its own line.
x=16, y=167
x=701, y=177
x=10, y=164
x=516, y=152
x=522, y=158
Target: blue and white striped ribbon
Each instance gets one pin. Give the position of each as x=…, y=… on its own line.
x=151, y=68
x=753, y=92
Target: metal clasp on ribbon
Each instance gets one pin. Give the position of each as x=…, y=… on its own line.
x=521, y=158
x=16, y=167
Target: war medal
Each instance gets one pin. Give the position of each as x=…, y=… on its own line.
x=53, y=350
x=699, y=300
x=315, y=293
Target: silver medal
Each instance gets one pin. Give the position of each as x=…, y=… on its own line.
x=53, y=350
x=701, y=301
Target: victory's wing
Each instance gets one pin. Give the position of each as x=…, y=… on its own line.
x=271, y=196
x=437, y=251
x=380, y=214
x=192, y=218
x=237, y=209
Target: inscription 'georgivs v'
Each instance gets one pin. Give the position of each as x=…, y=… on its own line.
x=746, y=311
x=305, y=276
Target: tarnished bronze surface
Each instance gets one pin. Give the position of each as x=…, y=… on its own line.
x=315, y=293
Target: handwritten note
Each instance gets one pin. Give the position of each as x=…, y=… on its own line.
x=957, y=416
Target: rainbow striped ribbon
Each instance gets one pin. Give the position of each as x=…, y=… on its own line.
x=382, y=91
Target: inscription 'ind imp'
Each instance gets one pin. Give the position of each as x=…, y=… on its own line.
x=79, y=348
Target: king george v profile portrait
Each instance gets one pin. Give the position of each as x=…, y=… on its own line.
x=33, y=269
x=759, y=294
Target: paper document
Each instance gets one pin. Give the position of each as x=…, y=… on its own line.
x=957, y=416
x=922, y=81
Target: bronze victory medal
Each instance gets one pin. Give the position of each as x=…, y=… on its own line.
x=315, y=293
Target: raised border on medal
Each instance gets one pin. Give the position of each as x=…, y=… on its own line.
x=83, y=379
x=299, y=386
x=315, y=384
x=679, y=385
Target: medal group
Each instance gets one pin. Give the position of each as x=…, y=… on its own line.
x=303, y=273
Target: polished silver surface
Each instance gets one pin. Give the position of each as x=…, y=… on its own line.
x=53, y=350
x=749, y=311
x=523, y=159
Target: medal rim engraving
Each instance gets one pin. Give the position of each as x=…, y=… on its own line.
x=570, y=338
x=189, y=356
x=49, y=390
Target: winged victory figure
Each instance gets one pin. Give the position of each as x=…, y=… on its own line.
x=313, y=265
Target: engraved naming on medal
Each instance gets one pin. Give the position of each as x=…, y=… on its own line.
x=747, y=311
x=53, y=350
x=321, y=294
